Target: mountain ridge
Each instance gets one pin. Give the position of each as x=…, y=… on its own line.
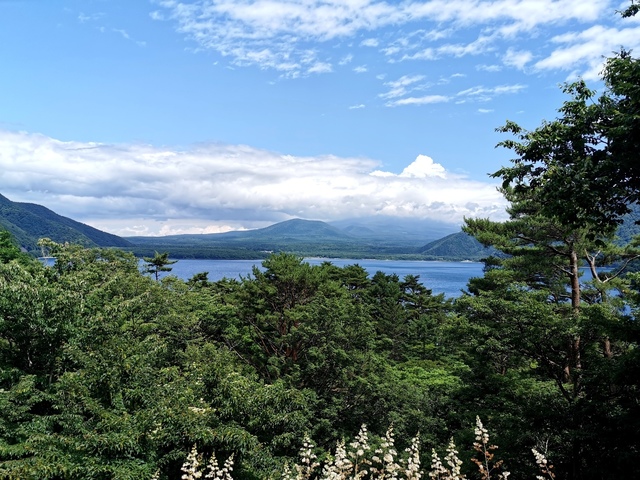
x=28, y=222
x=312, y=238
x=382, y=237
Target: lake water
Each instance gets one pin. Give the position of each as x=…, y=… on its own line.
x=441, y=277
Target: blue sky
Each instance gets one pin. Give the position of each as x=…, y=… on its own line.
x=158, y=117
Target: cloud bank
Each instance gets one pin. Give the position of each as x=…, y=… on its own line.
x=148, y=190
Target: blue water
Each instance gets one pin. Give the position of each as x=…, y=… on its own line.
x=441, y=277
x=449, y=278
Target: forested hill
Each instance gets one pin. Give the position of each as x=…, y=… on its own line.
x=29, y=222
x=315, y=238
x=456, y=245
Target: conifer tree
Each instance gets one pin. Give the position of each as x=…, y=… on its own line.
x=158, y=263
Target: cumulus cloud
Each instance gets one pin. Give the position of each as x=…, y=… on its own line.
x=147, y=190
x=423, y=167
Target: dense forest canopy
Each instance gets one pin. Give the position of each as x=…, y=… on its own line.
x=110, y=373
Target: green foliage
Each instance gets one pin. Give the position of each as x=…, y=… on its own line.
x=9, y=250
x=106, y=374
x=158, y=263
x=550, y=316
x=584, y=164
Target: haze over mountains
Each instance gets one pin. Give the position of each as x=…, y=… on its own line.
x=358, y=238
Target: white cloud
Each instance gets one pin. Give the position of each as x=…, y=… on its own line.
x=424, y=166
x=124, y=33
x=484, y=110
x=517, y=58
x=418, y=100
x=583, y=53
x=425, y=54
x=481, y=45
x=320, y=67
x=83, y=18
x=488, y=68
x=409, y=30
x=360, y=69
x=346, y=59
x=370, y=42
x=484, y=94
x=156, y=15
x=142, y=189
x=400, y=86
x=356, y=107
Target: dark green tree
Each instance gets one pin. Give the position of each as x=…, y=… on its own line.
x=543, y=317
x=158, y=263
x=9, y=250
x=587, y=157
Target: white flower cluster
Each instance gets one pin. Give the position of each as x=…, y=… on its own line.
x=439, y=471
x=191, y=471
x=354, y=462
x=544, y=466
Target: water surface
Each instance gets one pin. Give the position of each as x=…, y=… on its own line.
x=441, y=277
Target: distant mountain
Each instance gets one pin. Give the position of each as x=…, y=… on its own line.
x=456, y=246
x=300, y=229
x=302, y=237
x=296, y=230
x=400, y=231
x=309, y=238
x=29, y=222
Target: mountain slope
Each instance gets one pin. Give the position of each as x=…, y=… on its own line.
x=306, y=229
x=380, y=239
x=402, y=231
x=457, y=245
x=29, y=222
x=296, y=230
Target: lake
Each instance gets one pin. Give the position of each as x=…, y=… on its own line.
x=441, y=277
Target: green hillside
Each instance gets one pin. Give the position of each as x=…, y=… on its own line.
x=456, y=246
x=29, y=222
x=302, y=237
